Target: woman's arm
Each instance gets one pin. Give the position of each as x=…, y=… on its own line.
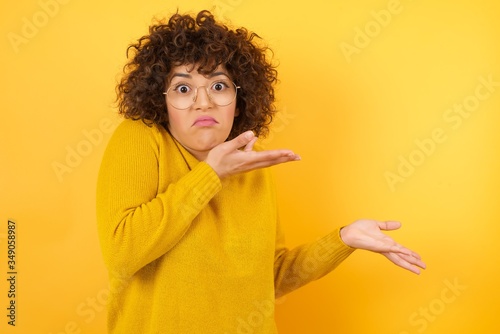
x=137, y=224
x=299, y=266
x=306, y=263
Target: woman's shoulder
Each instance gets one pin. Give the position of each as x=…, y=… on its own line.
x=133, y=130
x=138, y=126
x=135, y=135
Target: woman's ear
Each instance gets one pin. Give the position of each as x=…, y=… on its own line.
x=236, y=112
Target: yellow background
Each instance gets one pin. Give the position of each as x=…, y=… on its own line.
x=351, y=115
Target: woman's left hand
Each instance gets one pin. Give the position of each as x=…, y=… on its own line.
x=367, y=234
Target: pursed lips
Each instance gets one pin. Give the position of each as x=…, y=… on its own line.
x=205, y=121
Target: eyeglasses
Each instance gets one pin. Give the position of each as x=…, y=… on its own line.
x=220, y=92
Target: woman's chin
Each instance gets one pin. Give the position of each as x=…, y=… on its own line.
x=201, y=150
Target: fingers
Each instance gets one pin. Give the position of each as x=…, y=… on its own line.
x=405, y=258
x=237, y=156
x=397, y=248
x=406, y=262
x=415, y=261
x=242, y=140
x=270, y=155
x=408, y=255
x=249, y=146
x=248, y=140
x=255, y=160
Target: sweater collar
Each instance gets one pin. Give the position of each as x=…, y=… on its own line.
x=190, y=159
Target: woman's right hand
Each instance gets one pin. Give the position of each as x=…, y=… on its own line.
x=227, y=158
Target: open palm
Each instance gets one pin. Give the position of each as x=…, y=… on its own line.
x=367, y=234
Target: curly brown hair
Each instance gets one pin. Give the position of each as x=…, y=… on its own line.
x=208, y=44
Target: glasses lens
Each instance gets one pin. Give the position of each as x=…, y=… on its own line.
x=183, y=96
x=180, y=96
x=222, y=92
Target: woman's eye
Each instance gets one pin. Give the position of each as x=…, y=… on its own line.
x=183, y=89
x=219, y=86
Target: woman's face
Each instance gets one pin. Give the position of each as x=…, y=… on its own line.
x=199, y=125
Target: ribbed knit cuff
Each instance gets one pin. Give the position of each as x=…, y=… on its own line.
x=203, y=182
x=333, y=247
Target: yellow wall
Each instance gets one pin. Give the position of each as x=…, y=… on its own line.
x=393, y=105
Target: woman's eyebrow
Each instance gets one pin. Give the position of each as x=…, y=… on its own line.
x=182, y=75
x=211, y=75
x=189, y=76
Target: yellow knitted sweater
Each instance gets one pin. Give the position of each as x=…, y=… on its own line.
x=188, y=252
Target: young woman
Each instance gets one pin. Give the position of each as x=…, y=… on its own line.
x=186, y=209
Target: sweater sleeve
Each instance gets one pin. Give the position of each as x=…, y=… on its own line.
x=136, y=224
x=303, y=264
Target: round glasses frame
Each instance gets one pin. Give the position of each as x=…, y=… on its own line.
x=195, y=96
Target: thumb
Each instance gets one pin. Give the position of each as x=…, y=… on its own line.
x=389, y=225
x=240, y=141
